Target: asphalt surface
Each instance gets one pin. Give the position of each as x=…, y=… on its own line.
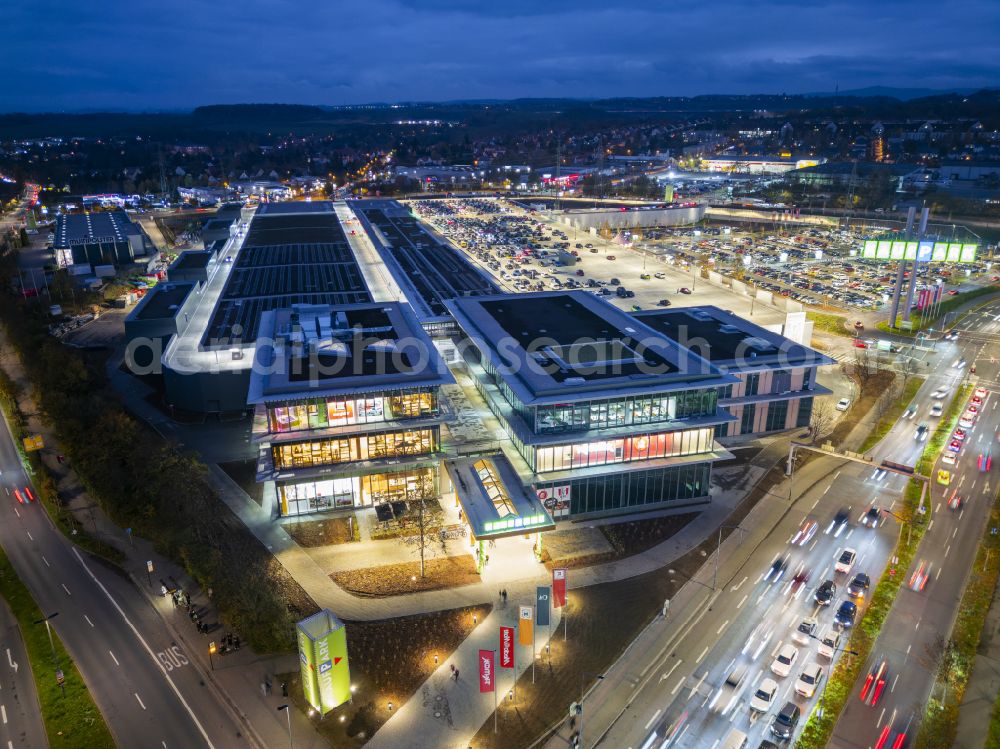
x=911, y=638
x=20, y=720
x=143, y=683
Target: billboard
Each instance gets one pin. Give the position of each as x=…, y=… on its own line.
x=326, y=677
x=924, y=251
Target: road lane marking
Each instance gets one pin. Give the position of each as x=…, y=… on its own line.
x=140, y=700
x=954, y=532
x=938, y=573
x=29, y=534
x=66, y=589
x=961, y=512
x=742, y=601
x=878, y=723
x=113, y=658
x=893, y=687
x=848, y=534
x=930, y=525
x=908, y=648
x=15, y=509
x=813, y=544
x=676, y=689
x=666, y=675
x=737, y=587
x=918, y=624
x=724, y=625
x=655, y=716
x=938, y=507
x=46, y=561
x=961, y=481
x=703, y=654
x=3, y=712
x=696, y=687
x=88, y=620
x=946, y=550
x=149, y=650
x=824, y=492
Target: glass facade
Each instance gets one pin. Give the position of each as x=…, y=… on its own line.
x=333, y=412
x=302, y=498
x=633, y=489
x=805, y=412
x=359, y=447
x=633, y=411
x=746, y=423
x=777, y=415
x=622, y=450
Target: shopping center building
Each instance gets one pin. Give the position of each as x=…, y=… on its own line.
x=776, y=377
x=347, y=407
x=605, y=415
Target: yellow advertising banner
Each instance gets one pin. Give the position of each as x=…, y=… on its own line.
x=34, y=443
x=525, y=626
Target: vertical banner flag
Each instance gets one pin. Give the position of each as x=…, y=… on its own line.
x=506, y=647
x=525, y=627
x=542, y=595
x=559, y=587
x=486, y=683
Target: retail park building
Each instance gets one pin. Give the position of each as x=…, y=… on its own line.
x=361, y=343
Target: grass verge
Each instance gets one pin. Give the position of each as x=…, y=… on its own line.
x=71, y=719
x=819, y=727
x=891, y=416
x=826, y=322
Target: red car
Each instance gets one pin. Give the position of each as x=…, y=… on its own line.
x=858, y=343
x=685, y=290
x=612, y=257
x=874, y=684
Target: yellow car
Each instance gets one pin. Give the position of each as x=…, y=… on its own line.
x=944, y=477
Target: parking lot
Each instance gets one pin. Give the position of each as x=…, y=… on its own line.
x=525, y=251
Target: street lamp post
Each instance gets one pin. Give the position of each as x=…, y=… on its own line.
x=579, y=708
x=52, y=645
x=718, y=549
x=288, y=714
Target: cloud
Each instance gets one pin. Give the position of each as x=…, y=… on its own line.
x=186, y=52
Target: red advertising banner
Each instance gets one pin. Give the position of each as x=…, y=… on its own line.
x=559, y=587
x=506, y=647
x=486, y=681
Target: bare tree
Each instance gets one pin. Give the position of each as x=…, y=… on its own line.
x=886, y=401
x=823, y=416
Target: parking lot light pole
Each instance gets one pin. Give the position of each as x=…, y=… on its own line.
x=579, y=709
x=48, y=629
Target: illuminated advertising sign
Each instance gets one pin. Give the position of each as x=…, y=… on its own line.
x=326, y=678
x=922, y=252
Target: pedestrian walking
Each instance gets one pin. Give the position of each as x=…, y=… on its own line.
x=456, y=675
x=236, y=642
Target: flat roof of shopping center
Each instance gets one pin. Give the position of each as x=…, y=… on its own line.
x=293, y=253
x=82, y=228
x=162, y=301
x=556, y=346
x=428, y=268
x=729, y=341
x=313, y=351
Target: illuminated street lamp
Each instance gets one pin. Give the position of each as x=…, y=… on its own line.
x=288, y=714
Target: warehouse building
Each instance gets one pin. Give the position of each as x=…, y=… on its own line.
x=106, y=238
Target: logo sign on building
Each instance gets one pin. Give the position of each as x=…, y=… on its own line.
x=922, y=252
x=326, y=678
x=486, y=681
x=555, y=499
x=543, y=595
x=559, y=587
x=506, y=647
x=525, y=626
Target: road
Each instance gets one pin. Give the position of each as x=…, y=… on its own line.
x=20, y=719
x=143, y=683
x=750, y=618
x=920, y=621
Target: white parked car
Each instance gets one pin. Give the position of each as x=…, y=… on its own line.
x=809, y=680
x=785, y=660
x=843, y=404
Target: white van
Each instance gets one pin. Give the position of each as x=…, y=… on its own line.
x=735, y=739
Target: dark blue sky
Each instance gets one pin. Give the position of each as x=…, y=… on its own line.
x=158, y=54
